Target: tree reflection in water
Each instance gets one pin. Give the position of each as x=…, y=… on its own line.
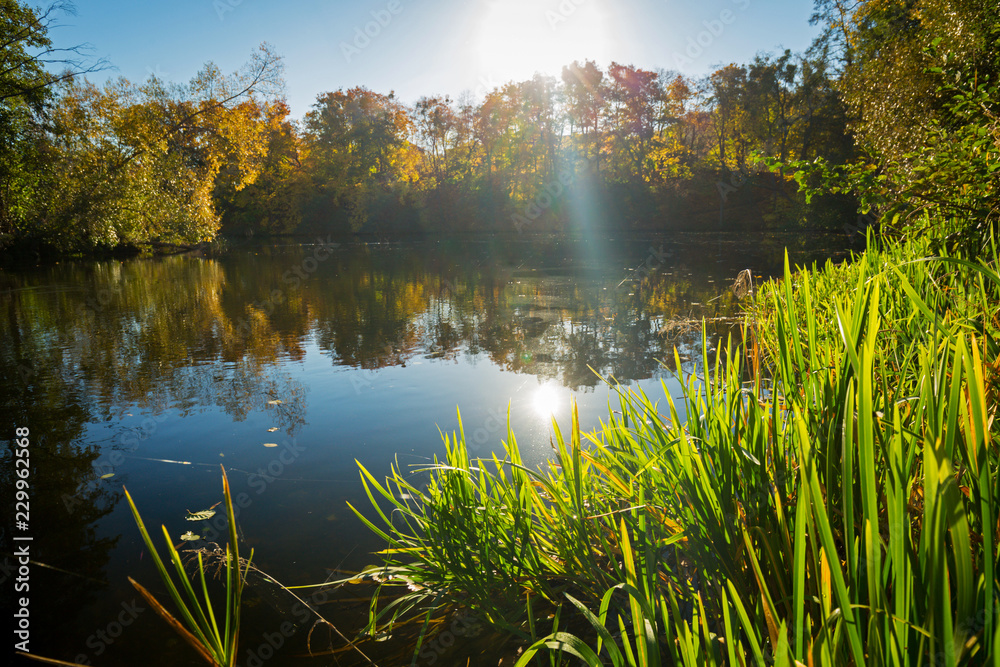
x=85, y=345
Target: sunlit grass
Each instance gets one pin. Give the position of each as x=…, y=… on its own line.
x=215, y=641
x=840, y=507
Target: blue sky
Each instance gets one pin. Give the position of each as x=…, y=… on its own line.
x=428, y=47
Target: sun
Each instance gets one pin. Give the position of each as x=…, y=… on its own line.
x=516, y=38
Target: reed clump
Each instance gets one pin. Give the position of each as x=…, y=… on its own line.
x=214, y=639
x=840, y=507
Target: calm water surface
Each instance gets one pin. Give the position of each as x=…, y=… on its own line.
x=149, y=373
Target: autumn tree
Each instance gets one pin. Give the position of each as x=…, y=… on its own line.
x=677, y=121
x=632, y=95
x=436, y=126
x=361, y=155
x=139, y=164
x=452, y=179
x=495, y=133
x=541, y=130
x=728, y=88
x=358, y=134
x=584, y=93
x=27, y=58
x=272, y=203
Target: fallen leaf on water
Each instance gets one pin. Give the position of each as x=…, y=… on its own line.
x=276, y=401
x=108, y=476
x=272, y=429
x=200, y=516
x=190, y=537
x=270, y=444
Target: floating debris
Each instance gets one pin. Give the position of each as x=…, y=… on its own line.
x=183, y=463
x=272, y=429
x=190, y=537
x=108, y=476
x=743, y=284
x=270, y=444
x=200, y=516
x=276, y=401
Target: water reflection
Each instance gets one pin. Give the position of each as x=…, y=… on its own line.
x=547, y=400
x=200, y=358
x=140, y=332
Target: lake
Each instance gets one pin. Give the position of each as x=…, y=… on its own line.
x=290, y=363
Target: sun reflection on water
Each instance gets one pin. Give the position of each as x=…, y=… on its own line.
x=547, y=400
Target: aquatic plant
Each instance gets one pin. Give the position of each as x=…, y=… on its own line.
x=215, y=643
x=841, y=507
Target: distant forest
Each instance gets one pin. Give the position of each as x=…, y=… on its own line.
x=611, y=148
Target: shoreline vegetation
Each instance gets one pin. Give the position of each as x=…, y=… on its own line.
x=832, y=498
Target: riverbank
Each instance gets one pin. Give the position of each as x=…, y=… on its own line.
x=33, y=253
x=834, y=502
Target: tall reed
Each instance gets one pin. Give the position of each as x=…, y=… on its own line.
x=841, y=507
x=215, y=643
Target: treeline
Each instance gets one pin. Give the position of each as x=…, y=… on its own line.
x=599, y=148
x=617, y=148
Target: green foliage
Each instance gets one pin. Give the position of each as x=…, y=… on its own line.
x=215, y=643
x=23, y=33
x=130, y=165
x=22, y=167
x=957, y=172
x=921, y=80
x=24, y=89
x=840, y=507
